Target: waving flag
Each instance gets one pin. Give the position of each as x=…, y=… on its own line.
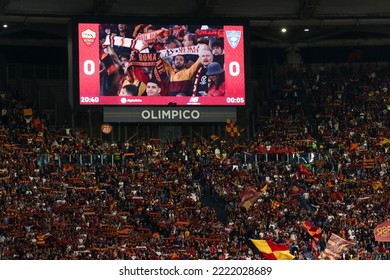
x=296, y=191
x=377, y=185
x=382, y=141
x=252, y=200
x=275, y=204
x=232, y=129
x=272, y=250
x=304, y=171
x=335, y=247
x=315, y=249
x=214, y=137
x=314, y=231
x=382, y=232
x=249, y=196
x=248, y=193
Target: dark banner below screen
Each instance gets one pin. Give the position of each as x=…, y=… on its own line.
x=169, y=115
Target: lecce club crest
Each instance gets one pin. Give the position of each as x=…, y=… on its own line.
x=233, y=38
x=88, y=36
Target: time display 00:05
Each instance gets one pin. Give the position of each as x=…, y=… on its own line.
x=235, y=100
x=89, y=99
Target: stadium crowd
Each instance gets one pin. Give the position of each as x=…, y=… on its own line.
x=320, y=154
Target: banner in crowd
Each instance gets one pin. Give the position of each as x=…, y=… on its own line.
x=335, y=247
x=382, y=232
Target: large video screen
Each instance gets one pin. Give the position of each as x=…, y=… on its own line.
x=129, y=64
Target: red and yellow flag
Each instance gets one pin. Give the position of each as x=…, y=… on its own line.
x=314, y=231
x=272, y=250
x=275, y=204
x=232, y=129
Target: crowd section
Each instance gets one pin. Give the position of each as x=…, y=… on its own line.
x=320, y=154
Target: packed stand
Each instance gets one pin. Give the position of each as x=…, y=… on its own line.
x=320, y=155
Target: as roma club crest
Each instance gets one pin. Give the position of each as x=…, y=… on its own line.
x=88, y=36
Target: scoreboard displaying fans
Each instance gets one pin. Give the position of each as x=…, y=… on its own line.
x=151, y=64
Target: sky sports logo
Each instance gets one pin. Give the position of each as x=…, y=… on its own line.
x=194, y=100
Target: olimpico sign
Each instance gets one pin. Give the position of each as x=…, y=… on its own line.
x=169, y=114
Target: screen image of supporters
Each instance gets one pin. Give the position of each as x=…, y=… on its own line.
x=161, y=60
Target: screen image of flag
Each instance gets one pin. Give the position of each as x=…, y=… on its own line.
x=272, y=250
x=314, y=231
x=335, y=247
x=232, y=129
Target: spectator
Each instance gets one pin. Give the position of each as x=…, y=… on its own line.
x=201, y=83
x=218, y=53
x=171, y=43
x=190, y=40
x=122, y=31
x=129, y=90
x=180, y=83
x=64, y=195
x=217, y=79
